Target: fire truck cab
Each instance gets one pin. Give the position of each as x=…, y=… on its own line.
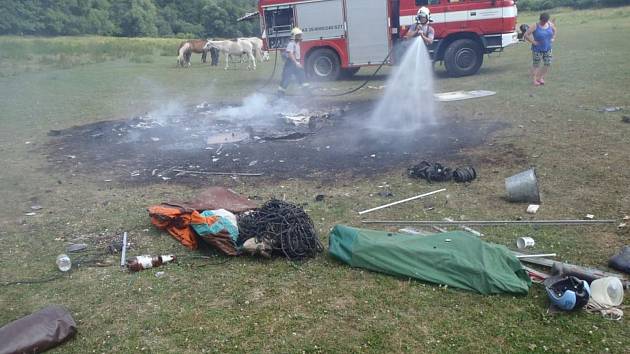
x=341, y=36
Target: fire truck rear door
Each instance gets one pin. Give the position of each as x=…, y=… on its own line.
x=368, y=31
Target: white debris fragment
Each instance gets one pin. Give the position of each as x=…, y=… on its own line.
x=30, y=214
x=589, y=216
x=533, y=208
x=154, y=138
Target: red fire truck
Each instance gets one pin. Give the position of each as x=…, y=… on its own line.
x=341, y=36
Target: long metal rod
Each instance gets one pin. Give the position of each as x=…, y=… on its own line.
x=123, y=252
x=489, y=223
x=401, y=201
x=536, y=255
x=466, y=228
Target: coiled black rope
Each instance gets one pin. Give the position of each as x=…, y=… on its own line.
x=464, y=174
x=431, y=172
x=284, y=226
x=436, y=172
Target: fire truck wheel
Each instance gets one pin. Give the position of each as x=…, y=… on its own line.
x=323, y=64
x=463, y=57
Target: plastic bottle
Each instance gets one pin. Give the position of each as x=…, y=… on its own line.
x=63, y=263
x=145, y=262
x=607, y=291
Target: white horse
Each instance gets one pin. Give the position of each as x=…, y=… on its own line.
x=257, y=45
x=236, y=47
x=184, y=53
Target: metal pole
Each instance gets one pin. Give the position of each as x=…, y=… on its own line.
x=466, y=228
x=401, y=201
x=489, y=223
x=123, y=253
x=536, y=255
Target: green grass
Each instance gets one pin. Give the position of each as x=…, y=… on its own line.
x=251, y=305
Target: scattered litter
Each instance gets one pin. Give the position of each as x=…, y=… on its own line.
x=36, y=207
x=30, y=214
x=533, y=208
x=606, y=297
x=464, y=174
x=610, y=109
x=165, y=178
x=283, y=227
x=227, y=138
x=376, y=87
x=123, y=250
x=153, y=138
x=401, y=201
x=540, y=255
x=432, y=172
x=436, y=172
x=219, y=229
x=414, y=231
x=71, y=156
x=489, y=222
x=159, y=274
x=297, y=120
x=589, y=216
x=462, y=95
x=621, y=261
x=523, y=187
x=107, y=180
x=215, y=159
x=293, y=136
x=183, y=172
x=488, y=268
x=76, y=247
x=63, y=262
x=38, y=332
x=319, y=198
x=385, y=194
x=139, y=263
x=566, y=293
x=214, y=198
x=253, y=163
x=560, y=268
x=468, y=229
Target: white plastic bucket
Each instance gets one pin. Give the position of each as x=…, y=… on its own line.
x=607, y=291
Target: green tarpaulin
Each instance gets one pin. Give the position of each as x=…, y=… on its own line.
x=456, y=259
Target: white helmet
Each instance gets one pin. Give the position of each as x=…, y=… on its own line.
x=424, y=12
x=296, y=32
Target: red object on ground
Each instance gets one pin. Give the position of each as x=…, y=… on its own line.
x=214, y=198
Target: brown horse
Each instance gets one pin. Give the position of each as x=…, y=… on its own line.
x=197, y=46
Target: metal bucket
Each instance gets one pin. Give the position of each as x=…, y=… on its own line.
x=523, y=187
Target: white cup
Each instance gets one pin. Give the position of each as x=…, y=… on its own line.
x=524, y=242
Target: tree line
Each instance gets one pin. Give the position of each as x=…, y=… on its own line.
x=128, y=18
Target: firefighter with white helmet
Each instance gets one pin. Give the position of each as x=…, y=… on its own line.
x=292, y=66
x=422, y=28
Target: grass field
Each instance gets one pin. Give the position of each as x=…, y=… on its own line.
x=252, y=305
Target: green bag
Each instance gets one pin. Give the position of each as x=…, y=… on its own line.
x=456, y=259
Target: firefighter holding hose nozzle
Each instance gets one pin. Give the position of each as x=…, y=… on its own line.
x=422, y=28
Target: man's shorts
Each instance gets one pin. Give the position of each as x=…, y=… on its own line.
x=545, y=57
